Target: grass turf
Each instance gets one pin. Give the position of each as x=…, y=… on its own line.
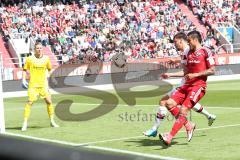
x=131, y=121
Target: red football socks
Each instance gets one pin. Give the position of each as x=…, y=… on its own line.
x=175, y=111
x=181, y=120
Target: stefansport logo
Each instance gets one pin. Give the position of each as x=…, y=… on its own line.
x=123, y=84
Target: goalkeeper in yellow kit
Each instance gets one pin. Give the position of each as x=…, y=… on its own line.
x=38, y=66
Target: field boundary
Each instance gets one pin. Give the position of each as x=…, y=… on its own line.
x=132, y=153
x=92, y=144
x=127, y=138
x=119, y=105
x=111, y=87
x=102, y=141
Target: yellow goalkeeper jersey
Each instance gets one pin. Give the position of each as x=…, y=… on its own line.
x=38, y=68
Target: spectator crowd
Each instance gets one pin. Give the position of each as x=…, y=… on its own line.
x=96, y=31
x=212, y=12
x=216, y=13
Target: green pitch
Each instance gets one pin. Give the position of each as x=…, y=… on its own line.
x=221, y=141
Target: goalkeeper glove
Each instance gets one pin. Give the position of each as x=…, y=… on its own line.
x=24, y=84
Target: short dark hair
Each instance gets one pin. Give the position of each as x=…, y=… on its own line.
x=180, y=35
x=37, y=43
x=195, y=35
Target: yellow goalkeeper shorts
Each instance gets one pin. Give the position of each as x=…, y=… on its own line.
x=33, y=93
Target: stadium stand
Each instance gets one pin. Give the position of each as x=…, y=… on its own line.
x=95, y=32
x=213, y=12
x=143, y=30
x=52, y=57
x=192, y=17
x=6, y=58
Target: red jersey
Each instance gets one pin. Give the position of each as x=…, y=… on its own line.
x=198, y=61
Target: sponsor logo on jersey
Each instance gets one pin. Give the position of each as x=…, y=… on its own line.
x=194, y=61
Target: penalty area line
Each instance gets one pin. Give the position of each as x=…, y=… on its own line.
x=133, y=153
x=90, y=146
x=127, y=138
x=147, y=105
x=41, y=139
x=119, y=105
x=103, y=141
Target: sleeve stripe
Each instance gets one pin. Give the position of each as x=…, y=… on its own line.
x=211, y=60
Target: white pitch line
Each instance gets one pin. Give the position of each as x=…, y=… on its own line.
x=41, y=139
x=147, y=105
x=233, y=125
x=133, y=153
x=143, y=154
x=111, y=149
x=125, y=105
x=223, y=107
x=93, y=147
x=126, y=138
x=109, y=140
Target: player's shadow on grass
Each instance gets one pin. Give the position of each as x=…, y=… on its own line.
x=203, y=135
x=156, y=142
x=19, y=128
x=151, y=142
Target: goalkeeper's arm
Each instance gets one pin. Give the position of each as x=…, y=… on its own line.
x=24, y=81
x=52, y=78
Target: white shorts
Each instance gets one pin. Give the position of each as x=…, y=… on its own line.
x=174, y=89
x=171, y=92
